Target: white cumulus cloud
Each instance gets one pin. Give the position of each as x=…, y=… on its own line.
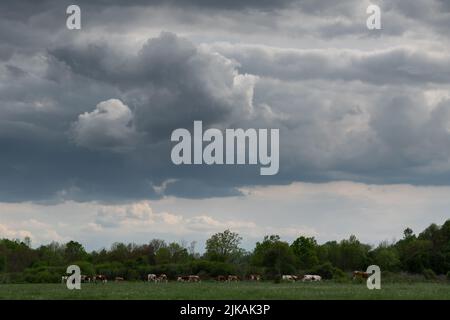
x=109, y=126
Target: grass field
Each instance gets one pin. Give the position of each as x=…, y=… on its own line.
x=213, y=290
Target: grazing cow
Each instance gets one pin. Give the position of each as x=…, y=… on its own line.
x=152, y=277
x=64, y=279
x=119, y=279
x=311, y=277
x=162, y=278
x=254, y=277
x=233, y=278
x=101, y=278
x=193, y=278
x=221, y=278
x=289, y=277
x=360, y=274
x=85, y=278
x=183, y=279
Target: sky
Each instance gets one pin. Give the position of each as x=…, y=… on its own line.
x=86, y=118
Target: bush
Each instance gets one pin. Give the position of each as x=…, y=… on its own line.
x=212, y=268
x=401, y=277
x=86, y=268
x=429, y=274
x=42, y=275
x=112, y=270
x=132, y=275
x=277, y=279
x=328, y=271
x=340, y=275
x=5, y=278
x=324, y=270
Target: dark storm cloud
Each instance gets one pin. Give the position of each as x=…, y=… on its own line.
x=24, y=9
x=87, y=119
x=67, y=110
x=332, y=18
x=169, y=83
x=367, y=154
x=393, y=66
x=42, y=170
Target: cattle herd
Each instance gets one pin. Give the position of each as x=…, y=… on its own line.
x=95, y=279
x=99, y=278
x=306, y=277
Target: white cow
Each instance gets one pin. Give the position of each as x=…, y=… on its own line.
x=289, y=277
x=152, y=277
x=162, y=278
x=311, y=277
x=194, y=278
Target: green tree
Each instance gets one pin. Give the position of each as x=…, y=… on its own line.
x=51, y=254
x=416, y=255
x=275, y=256
x=429, y=250
x=74, y=251
x=408, y=234
x=27, y=242
x=172, y=253
x=86, y=268
x=305, y=250
x=17, y=255
x=440, y=254
x=119, y=252
x=162, y=256
x=2, y=262
x=329, y=252
x=353, y=254
x=386, y=257
x=223, y=246
x=178, y=254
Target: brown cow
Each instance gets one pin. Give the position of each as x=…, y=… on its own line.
x=221, y=278
x=360, y=274
x=233, y=278
x=101, y=278
x=183, y=279
x=254, y=277
x=193, y=278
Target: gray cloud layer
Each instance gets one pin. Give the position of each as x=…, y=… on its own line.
x=85, y=117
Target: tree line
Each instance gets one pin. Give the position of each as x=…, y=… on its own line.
x=427, y=253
